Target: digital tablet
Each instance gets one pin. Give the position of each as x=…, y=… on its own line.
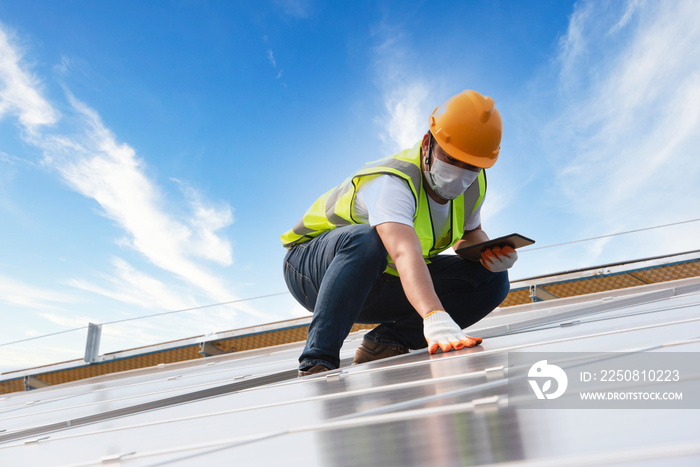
x=473, y=252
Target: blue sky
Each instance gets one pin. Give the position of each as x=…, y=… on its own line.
x=151, y=153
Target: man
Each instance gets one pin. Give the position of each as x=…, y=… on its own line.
x=367, y=250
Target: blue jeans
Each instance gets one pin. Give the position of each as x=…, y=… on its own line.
x=339, y=277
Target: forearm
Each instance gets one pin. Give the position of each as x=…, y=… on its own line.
x=417, y=284
x=403, y=246
x=439, y=328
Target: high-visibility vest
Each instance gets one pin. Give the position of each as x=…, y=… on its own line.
x=335, y=208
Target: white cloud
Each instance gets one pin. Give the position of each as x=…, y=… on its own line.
x=128, y=285
x=94, y=164
x=207, y=219
x=273, y=62
x=91, y=161
x=14, y=292
x=28, y=356
x=295, y=8
x=63, y=68
x=19, y=94
x=271, y=58
x=632, y=6
x=405, y=119
x=406, y=96
x=627, y=137
x=67, y=321
x=574, y=44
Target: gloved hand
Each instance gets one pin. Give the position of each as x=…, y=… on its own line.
x=499, y=259
x=440, y=330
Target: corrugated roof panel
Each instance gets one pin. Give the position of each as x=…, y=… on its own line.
x=670, y=272
x=593, y=285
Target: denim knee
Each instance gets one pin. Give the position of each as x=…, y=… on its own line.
x=474, y=302
x=501, y=287
x=365, y=242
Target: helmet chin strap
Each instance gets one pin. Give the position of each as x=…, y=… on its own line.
x=430, y=150
x=428, y=173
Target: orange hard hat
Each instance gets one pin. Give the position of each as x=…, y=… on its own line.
x=468, y=127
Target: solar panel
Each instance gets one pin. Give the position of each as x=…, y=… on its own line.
x=411, y=410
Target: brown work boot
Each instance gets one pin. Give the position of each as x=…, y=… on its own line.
x=318, y=368
x=369, y=351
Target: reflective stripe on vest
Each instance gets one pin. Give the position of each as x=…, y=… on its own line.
x=334, y=208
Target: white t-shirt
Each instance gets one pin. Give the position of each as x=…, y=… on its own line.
x=387, y=198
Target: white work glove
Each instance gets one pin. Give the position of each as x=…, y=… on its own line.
x=498, y=259
x=440, y=330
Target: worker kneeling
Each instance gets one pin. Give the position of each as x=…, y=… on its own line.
x=368, y=250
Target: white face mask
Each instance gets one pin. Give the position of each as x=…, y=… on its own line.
x=447, y=180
